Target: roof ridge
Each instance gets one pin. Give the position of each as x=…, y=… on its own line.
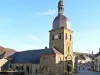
x=56, y=51
x=31, y=50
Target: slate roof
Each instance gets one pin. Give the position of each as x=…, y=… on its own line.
x=83, y=56
x=32, y=56
x=78, y=53
x=60, y=21
x=6, y=54
x=2, y=55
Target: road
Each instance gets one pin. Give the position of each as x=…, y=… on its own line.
x=87, y=73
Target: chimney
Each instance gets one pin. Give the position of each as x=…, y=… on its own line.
x=46, y=48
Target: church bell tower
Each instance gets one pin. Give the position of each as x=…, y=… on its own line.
x=61, y=35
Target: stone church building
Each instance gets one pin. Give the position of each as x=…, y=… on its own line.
x=56, y=59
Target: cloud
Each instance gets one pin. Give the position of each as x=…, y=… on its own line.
x=33, y=37
x=49, y=12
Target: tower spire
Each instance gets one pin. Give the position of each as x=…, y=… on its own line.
x=61, y=7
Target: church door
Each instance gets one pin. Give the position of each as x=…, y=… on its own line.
x=69, y=66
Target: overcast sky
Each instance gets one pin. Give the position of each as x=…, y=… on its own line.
x=24, y=24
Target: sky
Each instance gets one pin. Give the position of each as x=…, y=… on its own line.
x=25, y=24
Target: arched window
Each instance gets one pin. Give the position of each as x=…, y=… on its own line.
x=36, y=71
x=61, y=8
x=59, y=35
x=17, y=68
x=22, y=68
x=68, y=49
x=66, y=36
x=70, y=37
x=53, y=37
x=10, y=66
x=59, y=69
x=28, y=69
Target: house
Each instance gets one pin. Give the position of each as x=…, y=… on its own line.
x=3, y=64
x=97, y=61
x=4, y=58
x=83, y=61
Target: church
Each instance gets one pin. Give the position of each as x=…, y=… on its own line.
x=56, y=59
